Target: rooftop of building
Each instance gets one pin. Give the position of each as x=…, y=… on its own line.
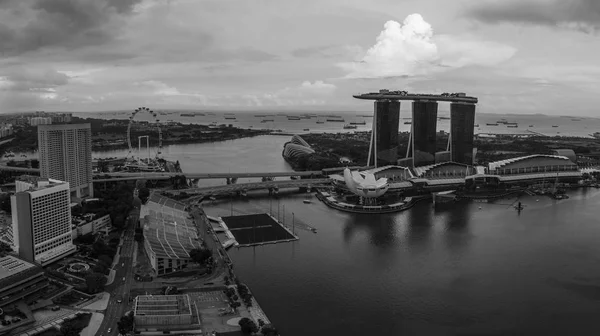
x=157, y=305
x=499, y=164
x=39, y=183
x=404, y=95
x=13, y=267
x=169, y=229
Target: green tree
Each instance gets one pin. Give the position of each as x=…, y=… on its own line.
x=106, y=260
x=200, y=255
x=5, y=248
x=125, y=324
x=269, y=330
x=143, y=194
x=68, y=328
x=5, y=203
x=95, y=282
x=248, y=326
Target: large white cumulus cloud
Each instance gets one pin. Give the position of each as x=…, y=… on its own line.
x=410, y=49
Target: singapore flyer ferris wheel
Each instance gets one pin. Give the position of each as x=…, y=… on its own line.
x=141, y=161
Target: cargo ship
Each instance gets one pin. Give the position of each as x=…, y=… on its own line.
x=348, y=126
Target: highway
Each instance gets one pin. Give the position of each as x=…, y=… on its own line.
x=229, y=188
x=210, y=175
x=119, y=289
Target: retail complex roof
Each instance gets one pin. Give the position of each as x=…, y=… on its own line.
x=169, y=230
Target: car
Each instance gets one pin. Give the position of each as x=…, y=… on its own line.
x=123, y=278
x=109, y=329
x=123, y=264
x=119, y=300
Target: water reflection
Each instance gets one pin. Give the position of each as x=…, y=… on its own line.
x=456, y=227
x=379, y=228
x=419, y=225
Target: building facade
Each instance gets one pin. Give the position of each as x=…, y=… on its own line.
x=66, y=154
x=85, y=225
x=20, y=280
x=462, y=123
x=41, y=219
x=423, y=134
x=35, y=121
x=383, y=150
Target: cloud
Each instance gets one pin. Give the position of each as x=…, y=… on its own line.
x=327, y=51
x=30, y=25
x=32, y=79
x=411, y=49
x=582, y=15
x=171, y=94
x=307, y=93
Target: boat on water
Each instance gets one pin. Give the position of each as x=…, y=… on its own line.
x=306, y=129
x=358, y=123
x=407, y=122
x=491, y=124
x=267, y=120
x=230, y=118
x=530, y=125
x=307, y=201
x=320, y=122
x=554, y=125
x=188, y=115
x=512, y=126
x=335, y=120
x=348, y=126
x=293, y=118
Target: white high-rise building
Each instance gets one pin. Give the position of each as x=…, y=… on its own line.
x=41, y=219
x=65, y=153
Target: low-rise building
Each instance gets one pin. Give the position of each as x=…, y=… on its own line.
x=88, y=223
x=19, y=279
x=163, y=312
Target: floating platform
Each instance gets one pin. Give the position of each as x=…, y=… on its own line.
x=257, y=229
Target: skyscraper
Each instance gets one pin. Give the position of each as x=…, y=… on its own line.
x=424, y=123
x=66, y=155
x=383, y=149
x=462, y=122
x=41, y=215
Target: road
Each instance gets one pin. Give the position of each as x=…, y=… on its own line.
x=229, y=188
x=119, y=289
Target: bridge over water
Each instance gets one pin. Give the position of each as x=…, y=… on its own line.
x=232, y=188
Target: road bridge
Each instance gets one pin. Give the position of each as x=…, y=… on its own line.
x=159, y=175
x=19, y=169
x=233, y=188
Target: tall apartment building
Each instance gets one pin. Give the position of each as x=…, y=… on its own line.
x=35, y=121
x=41, y=219
x=66, y=154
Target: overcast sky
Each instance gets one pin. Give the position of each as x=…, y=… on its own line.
x=517, y=56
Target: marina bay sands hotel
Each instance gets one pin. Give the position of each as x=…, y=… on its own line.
x=422, y=149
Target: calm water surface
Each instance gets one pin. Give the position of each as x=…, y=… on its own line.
x=470, y=269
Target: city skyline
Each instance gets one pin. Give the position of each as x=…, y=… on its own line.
x=208, y=54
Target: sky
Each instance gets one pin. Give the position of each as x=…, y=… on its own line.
x=516, y=56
